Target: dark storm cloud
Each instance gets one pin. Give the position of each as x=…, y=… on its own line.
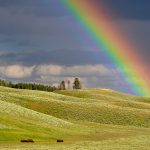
x=43, y=30
x=6, y=40
x=61, y=57
x=42, y=8
x=26, y=23
x=38, y=25
x=133, y=9
x=138, y=34
x=128, y=9
x=35, y=25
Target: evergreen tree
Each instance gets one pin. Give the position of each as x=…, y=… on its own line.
x=76, y=84
x=62, y=85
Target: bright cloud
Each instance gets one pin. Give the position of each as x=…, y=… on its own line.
x=77, y=70
x=16, y=71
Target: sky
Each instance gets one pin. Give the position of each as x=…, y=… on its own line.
x=42, y=42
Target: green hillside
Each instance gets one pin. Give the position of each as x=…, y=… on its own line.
x=106, y=118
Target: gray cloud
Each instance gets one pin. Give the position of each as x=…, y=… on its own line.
x=34, y=24
x=39, y=8
x=127, y=9
x=138, y=33
x=61, y=57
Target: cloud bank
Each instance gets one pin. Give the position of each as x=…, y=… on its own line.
x=91, y=75
x=16, y=71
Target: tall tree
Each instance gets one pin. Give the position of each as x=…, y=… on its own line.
x=62, y=85
x=76, y=84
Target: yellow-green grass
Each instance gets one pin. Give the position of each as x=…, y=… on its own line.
x=132, y=143
x=84, y=119
x=104, y=108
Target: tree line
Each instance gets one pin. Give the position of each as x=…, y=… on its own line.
x=29, y=86
x=41, y=87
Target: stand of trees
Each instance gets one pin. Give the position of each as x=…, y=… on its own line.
x=30, y=86
x=76, y=84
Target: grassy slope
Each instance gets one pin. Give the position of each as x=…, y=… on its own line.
x=101, y=116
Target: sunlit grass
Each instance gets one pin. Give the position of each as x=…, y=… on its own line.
x=84, y=119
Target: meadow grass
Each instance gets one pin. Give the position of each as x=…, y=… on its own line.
x=91, y=119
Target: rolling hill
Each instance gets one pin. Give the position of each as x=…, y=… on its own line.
x=84, y=119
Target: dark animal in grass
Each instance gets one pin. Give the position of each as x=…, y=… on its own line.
x=27, y=141
x=60, y=140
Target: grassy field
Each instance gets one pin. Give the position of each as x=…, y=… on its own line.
x=90, y=119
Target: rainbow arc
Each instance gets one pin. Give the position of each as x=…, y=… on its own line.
x=122, y=53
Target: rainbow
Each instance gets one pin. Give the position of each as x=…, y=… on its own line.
x=123, y=54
